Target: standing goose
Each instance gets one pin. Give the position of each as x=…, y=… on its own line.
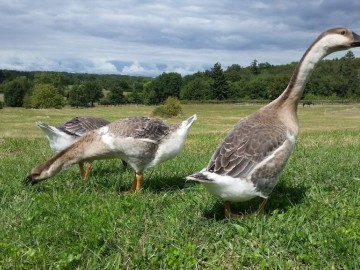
x=140, y=141
x=60, y=137
x=251, y=157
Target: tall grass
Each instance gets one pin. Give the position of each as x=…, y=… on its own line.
x=311, y=221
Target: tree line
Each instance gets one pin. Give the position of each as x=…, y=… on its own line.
x=332, y=79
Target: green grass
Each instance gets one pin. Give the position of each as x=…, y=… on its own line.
x=311, y=221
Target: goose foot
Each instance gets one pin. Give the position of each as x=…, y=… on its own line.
x=137, y=183
x=229, y=214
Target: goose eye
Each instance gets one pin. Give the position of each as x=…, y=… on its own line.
x=342, y=32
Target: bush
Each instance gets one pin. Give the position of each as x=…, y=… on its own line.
x=171, y=108
x=1, y=105
x=45, y=96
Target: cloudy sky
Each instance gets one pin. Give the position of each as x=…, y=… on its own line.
x=150, y=37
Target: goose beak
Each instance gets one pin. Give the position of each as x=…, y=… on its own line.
x=356, y=42
x=29, y=180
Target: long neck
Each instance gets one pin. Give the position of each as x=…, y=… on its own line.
x=301, y=75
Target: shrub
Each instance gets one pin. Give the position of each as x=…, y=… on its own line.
x=171, y=108
x=45, y=96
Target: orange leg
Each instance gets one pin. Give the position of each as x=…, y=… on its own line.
x=136, y=185
x=262, y=205
x=228, y=212
x=82, y=171
x=88, y=168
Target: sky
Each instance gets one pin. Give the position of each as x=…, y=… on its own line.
x=147, y=38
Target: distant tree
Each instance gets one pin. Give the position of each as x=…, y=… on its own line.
x=93, y=92
x=349, y=78
x=219, y=87
x=77, y=96
x=254, y=67
x=198, y=88
x=276, y=85
x=46, y=96
x=115, y=96
x=15, y=90
x=162, y=87
x=233, y=73
x=135, y=97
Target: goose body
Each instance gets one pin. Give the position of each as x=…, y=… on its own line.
x=249, y=160
x=61, y=137
x=140, y=141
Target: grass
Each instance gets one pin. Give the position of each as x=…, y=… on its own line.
x=311, y=221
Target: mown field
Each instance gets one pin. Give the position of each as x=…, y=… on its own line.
x=311, y=221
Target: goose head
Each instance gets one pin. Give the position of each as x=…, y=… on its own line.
x=338, y=39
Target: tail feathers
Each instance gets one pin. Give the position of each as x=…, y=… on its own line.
x=50, y=131
x=188, y=122
x=45, y=127
x=199, y=177
x=58, y=140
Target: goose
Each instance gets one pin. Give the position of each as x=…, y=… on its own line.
x=142, y=142
x=248, y=162
x=60, y=137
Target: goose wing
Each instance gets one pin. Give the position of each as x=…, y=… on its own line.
x=141, y=128
x=79, y=125
x=245, y=146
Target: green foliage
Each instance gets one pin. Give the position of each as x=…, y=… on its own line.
x=164, y=86
x=85, y=95
x=45, y=96
x=338, y=77
x=115, y=96
x=254, y=67
x=171, y=108
x=219, y=87
x=93, y=91
x=15, y=90
x=196, y=88
x=77, y=96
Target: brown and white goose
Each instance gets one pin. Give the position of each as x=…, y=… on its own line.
x=140, y=141
x=61, y=137
x=249, y=160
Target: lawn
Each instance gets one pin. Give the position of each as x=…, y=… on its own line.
x=311, y=221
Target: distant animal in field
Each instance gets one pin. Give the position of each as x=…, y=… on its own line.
x=62, y=136
x=309, y=103
x=251, y=157
x=140, y=141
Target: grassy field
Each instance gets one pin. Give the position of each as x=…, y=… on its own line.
x=311, y=221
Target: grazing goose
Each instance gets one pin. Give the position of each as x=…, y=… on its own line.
x=140, y=141
x=61, y=137
x=249, y=160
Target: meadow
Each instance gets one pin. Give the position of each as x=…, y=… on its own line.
x=311, y=221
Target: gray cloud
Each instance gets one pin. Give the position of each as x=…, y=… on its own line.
x=151, y=37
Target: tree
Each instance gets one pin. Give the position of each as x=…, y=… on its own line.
x=199, y=88
x=162, y=87
x=77, y=96
x=219, y=87
x=233, y=73
x=254, y=67
x=93, y=92
x=115, y=96
x=15, y=90
x=46, y=96
x=349, y=76
x=84, y=95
